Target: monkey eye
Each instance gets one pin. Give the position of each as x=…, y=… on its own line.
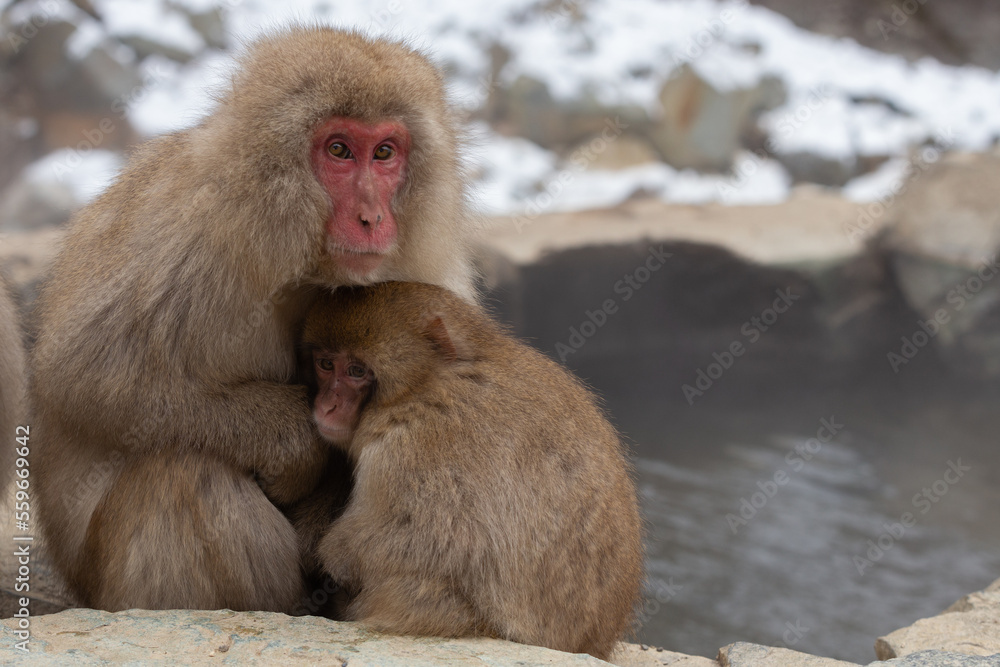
x=339, y=149
x=384, y=152
x=357, y=371
x=325, y=364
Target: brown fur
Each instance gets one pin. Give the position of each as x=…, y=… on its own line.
x=491, y=495
x=11, y=383
x=168, y=326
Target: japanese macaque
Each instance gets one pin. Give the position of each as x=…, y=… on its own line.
x=491, y=496
x=166, y=428
x=11, y=385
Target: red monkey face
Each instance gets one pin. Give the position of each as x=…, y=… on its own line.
x=344, y=384
x=360, y=165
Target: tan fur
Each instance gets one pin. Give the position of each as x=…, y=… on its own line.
x=168, y=325
x=491, y=495
x=12, y=386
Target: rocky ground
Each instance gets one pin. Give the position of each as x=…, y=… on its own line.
x=965, y=635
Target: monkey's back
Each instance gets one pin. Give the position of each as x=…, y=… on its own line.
x=523, y=492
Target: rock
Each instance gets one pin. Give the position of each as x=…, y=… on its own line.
x=742, y=654
x=811, y=168
x=944, y=247
x=28, y=205
x=75, y=101
x=940, y=659
x=39, y=50
x=527, y=109
x=635, y=655
x=20, y=144
x=117, y=82
x=87, y=636
x=619, y=153
x=209, y=24
x=963, y=32
x=145, y=45
x=60, y=83
x=807, y=230
x=971, y=626
x=972, y=28
x=987, y=598
x=702, y=127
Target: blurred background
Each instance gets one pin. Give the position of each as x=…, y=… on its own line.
x=766, y=233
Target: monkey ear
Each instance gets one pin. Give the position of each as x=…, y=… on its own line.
x=437, y=333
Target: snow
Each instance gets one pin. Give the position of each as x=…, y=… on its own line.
x=879, y=184
x=87, y=173
x=844, y=101
x=152, y=20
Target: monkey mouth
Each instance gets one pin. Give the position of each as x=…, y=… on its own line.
x=357, y=263
x=336, y=434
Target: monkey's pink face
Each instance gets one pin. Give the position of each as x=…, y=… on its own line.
x=344, y=384
x=360, y=165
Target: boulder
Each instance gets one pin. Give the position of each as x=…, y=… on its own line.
x=625, y=151
x=812, y=168
x=944, y=250
x=56, y=82
x=970, y=626
x=958, y=33
x=29, y=205
x=526, y=108
x=210, y=24
x=940, y=659
x=147, y=45
x=742, y=654
x=702, y=127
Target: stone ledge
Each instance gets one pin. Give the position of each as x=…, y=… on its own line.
x=88, y=636
x=970, y=626
x=743, y=654
x=813, y=227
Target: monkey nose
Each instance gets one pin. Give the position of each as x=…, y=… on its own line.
x=366, y=220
